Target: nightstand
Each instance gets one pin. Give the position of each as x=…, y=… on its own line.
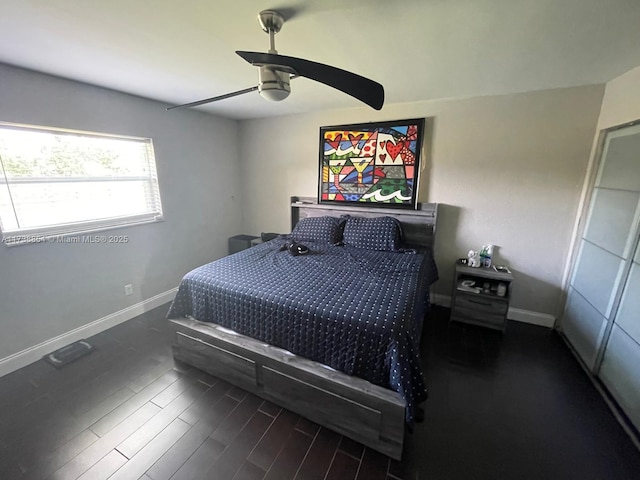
x=238, y=243
x=477, y=299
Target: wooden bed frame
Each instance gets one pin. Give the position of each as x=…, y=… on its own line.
x=366, y=413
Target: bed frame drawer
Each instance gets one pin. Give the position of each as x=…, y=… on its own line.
x=348, y=405
x=337, y=412
x=217, y=361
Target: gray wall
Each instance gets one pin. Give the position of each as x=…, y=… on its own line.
x=507, y=170
x=49, y=289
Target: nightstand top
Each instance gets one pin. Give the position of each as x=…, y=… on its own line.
x=484, y=272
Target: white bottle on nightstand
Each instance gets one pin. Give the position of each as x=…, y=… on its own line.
x=486, y=254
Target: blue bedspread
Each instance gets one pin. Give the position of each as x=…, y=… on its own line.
x=357, y=311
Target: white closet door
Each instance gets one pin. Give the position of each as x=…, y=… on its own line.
x=620, y=370
x=628, y=317
x=605, y=248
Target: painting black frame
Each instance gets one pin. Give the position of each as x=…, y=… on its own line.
x=384, y=128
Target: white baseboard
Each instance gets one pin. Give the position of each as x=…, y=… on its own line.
x=517, y=314
x=534, y=318
x=35, y=353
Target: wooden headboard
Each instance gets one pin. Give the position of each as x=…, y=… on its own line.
x=419, y=226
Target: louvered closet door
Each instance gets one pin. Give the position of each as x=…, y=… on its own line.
x=605, y=249
x=620, y=370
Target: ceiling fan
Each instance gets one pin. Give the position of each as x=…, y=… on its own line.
x=275, y=72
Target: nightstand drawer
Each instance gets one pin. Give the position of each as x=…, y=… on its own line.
x=482, y=304
x=473, y=315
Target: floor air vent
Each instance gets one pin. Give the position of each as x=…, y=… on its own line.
x=68, y=354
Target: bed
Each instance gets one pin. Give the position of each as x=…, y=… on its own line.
x=332, y=335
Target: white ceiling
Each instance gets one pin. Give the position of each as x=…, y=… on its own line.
x=178, y=51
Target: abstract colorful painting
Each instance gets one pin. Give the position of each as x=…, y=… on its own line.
x=371, y=164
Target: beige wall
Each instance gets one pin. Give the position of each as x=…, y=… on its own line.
x=506, y=170
x=621, y=102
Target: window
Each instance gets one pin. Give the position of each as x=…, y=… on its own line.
x=55, y=182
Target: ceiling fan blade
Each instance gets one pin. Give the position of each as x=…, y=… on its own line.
x=215, y=99
x=365, y=90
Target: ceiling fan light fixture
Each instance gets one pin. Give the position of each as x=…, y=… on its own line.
x=276, y=71
x=274, y=84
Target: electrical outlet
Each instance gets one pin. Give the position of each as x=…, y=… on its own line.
x=128, y=289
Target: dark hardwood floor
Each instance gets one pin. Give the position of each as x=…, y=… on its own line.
x=516, y=406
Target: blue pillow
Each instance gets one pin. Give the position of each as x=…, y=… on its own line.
x=318, y=229
x=378, y=233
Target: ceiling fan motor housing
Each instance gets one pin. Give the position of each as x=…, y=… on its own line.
x=274, y=84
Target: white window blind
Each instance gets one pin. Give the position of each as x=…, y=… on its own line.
x=56, y=182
